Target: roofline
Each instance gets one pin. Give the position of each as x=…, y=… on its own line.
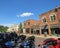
x=31, y=19
x=50, y=10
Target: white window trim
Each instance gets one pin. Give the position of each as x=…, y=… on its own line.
x=51, y=15
x=43, y=18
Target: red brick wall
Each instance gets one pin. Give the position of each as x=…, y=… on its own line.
x=58, y=14
x=32, y=22
x=47, y=15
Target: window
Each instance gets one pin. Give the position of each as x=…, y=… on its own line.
x=52, y=18
x=43, y=19
x=28, y=23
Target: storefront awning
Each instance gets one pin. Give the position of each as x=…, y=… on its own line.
x=55, y=26
x=37, y=29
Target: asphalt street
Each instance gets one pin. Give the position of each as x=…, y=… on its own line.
x=38, y=40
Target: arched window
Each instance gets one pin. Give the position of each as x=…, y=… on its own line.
x=43, y=19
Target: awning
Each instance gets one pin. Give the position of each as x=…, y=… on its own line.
x=37, y=29
x=51, y=26
x=54, y=26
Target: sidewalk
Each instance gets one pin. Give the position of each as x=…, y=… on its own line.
x=41, y=36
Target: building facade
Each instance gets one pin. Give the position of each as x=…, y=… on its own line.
x=13, y=28
x=31, y=26
x=50, y=22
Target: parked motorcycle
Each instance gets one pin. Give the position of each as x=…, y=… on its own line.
x=49, y=43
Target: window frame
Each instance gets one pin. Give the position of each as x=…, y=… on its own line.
x=43, y=18
x=52, y=17
x=28, y=23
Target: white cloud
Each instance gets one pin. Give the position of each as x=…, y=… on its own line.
x=25, y=14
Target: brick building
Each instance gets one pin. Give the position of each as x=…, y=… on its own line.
x=50, y=22
x=31, y=26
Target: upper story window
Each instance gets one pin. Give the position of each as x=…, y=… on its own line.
x=43, y=19
x=53, y=17
x=28, y=23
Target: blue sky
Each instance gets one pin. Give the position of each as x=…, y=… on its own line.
x=16, y=11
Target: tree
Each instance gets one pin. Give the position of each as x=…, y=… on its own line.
x=20, y=28
x=3, y=28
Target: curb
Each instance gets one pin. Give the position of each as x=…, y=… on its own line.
x=41, y=36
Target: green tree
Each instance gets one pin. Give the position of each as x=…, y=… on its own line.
x=20, y=28
x=3, y=28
